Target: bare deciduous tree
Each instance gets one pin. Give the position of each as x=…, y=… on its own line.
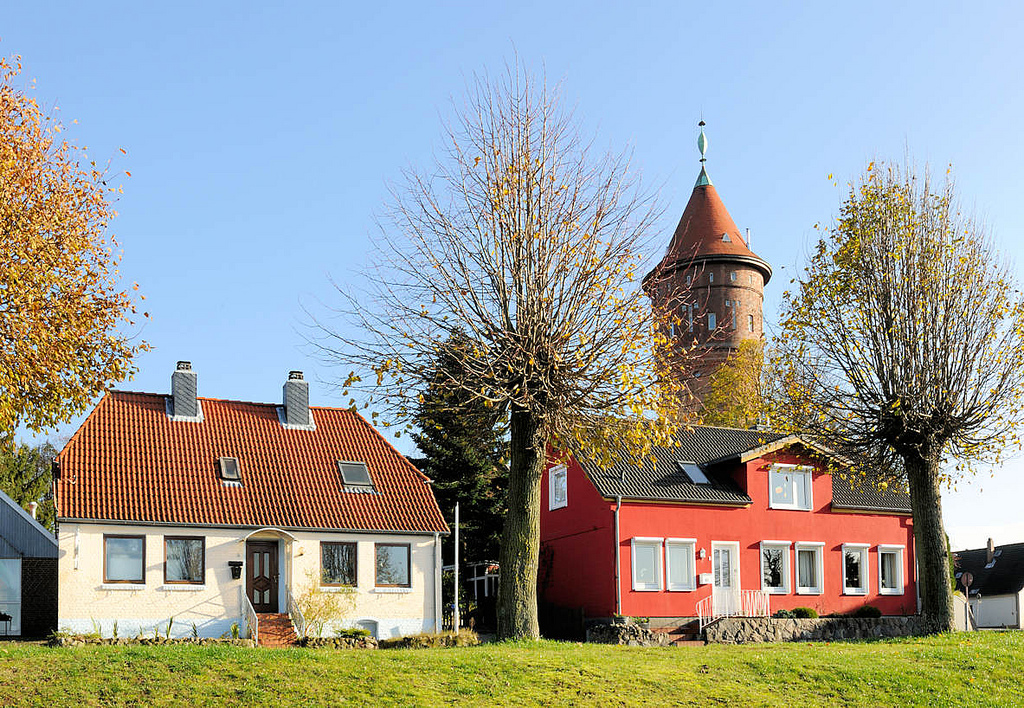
x=528, y=247
x=904, y=340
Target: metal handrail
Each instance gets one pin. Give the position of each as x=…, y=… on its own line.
x=296, y=614
x=752, y=603
x=252, y=620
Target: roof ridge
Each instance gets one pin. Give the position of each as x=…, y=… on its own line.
x=344, y=409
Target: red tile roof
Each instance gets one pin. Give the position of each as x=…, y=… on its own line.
x=699, y=233
x=130, y=462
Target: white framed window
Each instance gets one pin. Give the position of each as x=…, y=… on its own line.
x=890, y=570
x=775, y=572
x=733, y=276
x=711, y=277
x=558, y=483
x=646, y=554
x=789, y=487
x=809, y=572
x=855, y=568
x=680, y=572
x=711, y=322
x=750, y=323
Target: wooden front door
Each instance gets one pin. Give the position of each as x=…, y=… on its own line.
x=261, y=575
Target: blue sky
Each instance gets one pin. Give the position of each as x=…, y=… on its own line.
x=261, y=137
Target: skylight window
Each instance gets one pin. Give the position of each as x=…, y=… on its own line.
x=355, y=474
x=229, y=469
x=694, y=472
x=725, y=237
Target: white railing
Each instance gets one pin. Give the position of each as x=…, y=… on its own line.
x=755, y=603
x=704, y=615
x=746, y=603
x=252, y=620
x=296, y=614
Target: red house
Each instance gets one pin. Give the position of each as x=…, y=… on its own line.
x=730, y=522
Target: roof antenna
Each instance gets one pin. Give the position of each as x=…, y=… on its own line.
x=702, y=144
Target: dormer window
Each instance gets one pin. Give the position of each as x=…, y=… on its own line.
x=355, y=475
x=725, y=237
x=229, y=471
x=694, y=472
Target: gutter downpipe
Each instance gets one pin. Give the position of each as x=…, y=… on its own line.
x=618, y=559
x=438, y=619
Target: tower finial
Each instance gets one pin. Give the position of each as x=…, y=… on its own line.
x=702, y=145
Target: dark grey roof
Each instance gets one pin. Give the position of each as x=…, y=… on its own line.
x=665, y=481
x=1005, y=577
x=713, y=449
x=853, y=491
x=21, y=536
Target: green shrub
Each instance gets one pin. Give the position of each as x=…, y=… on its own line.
x=351, y=633
x=867, y=611
x=805, y=612
x=432, y=640
x=784, y=614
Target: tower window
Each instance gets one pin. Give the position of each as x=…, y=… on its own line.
x=733, y=276
x=750, y=323
x=750, y=278
x=711, y=321
x=689, y=310
x=711, y=277
x=725, y=237
x=687, y=279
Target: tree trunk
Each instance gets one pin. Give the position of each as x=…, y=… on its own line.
x=930, y=542
x=520, y=541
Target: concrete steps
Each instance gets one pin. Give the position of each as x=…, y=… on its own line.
x=276, y=630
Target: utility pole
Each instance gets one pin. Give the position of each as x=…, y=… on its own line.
x=455, y=602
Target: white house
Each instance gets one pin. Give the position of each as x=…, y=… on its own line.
x=199, y=513
x=996, y=592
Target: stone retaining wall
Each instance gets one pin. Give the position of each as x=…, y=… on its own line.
x=744, y=630
x=628, y=634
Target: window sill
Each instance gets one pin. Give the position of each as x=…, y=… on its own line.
x=183, y=587
x=848, y=591
x=337, y=588
x=681, y=589
x=789, y=508
x=890, y=592
x=392, y=591
x=775, y=591
x=132, y=587
x=809, y=591
x=646, y=589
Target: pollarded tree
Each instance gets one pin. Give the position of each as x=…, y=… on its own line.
x=904, y=340
x=62, y=308
x=529, y=245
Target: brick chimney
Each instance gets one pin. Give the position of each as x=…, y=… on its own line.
x=184, y=389
x=296, y=400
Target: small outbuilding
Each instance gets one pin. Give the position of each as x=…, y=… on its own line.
x=996, y=591
x=28, y=573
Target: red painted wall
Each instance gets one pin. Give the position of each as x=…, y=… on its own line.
x=581, y=569
x=577, y=566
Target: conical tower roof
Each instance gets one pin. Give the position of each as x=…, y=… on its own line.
x=706, y=231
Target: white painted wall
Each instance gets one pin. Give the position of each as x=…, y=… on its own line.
x=86, y=604
x=997, y=611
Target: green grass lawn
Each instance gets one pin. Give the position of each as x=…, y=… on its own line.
x=959, y=669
